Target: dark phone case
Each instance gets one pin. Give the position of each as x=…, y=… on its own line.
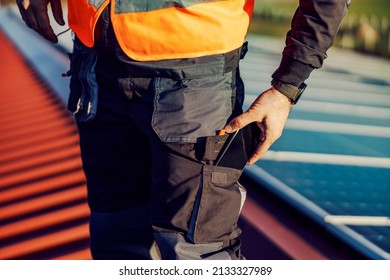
x=239, y=146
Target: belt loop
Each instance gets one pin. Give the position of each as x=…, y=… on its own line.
x=232, y=58
x=244, y=50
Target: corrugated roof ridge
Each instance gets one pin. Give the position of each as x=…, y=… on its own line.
x=43, y=209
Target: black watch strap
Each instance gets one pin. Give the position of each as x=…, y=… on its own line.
x=291, y=91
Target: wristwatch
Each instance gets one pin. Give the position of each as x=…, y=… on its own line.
x=289, y=90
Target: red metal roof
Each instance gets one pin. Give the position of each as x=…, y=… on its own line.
x=43, y=209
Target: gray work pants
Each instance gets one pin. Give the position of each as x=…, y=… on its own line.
x=148, y=137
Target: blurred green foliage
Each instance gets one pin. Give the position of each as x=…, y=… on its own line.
x=358, y=7
x=365, y=28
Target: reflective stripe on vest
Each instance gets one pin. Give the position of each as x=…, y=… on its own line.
x=158, y=29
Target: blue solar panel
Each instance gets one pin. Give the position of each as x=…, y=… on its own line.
x=339, y=190
x=379, y=236
x=332, y=143
x=338, y=118
x=333, y=159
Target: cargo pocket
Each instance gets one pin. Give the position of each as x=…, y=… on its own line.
x=218, y=206
x=186, y=110
x=83, y=95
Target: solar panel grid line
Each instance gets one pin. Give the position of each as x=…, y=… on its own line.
x=335, y=159
x=357, y=220
x=348, y=84
x=365, y=111
x=365, y=66
x=321, y=94
x=345, y=82
x=345, y=96
x=343, y=128
x=375, y=111
x=377, y=108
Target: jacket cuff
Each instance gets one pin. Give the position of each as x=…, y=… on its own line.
x=292, y=71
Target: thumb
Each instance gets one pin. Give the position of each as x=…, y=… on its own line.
x=238, y=122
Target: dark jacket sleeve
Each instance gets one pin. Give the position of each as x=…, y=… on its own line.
x=313, y=30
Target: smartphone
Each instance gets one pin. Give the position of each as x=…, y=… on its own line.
x=239, y=146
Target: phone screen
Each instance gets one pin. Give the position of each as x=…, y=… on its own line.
x=239, y=146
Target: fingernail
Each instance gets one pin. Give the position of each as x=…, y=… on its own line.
x=228, y=129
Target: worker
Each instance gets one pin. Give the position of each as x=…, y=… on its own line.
x=156, y=92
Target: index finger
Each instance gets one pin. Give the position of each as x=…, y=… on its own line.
x=44, y=27
x=239, y=122
x=260, y=151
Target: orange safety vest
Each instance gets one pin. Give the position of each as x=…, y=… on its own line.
x=160, y=29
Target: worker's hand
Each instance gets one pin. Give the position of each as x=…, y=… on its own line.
x=270, y=111
x=35, y=15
